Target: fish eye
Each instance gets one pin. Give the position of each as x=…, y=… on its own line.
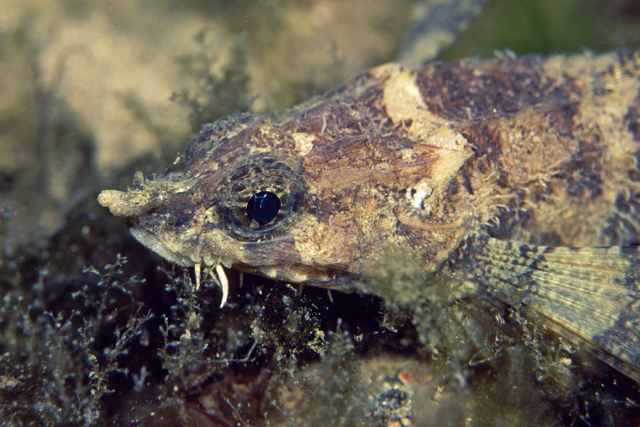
x=263, y=206
x=260, y=198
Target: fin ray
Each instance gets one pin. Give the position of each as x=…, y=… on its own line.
x=592, y=295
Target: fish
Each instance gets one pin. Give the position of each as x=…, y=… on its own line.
x=531, y=162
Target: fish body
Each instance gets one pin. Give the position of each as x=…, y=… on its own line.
x=542, y=152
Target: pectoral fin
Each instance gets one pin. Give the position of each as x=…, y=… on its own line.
x=590, y=295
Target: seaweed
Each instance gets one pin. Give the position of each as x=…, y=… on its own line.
x=55, y=369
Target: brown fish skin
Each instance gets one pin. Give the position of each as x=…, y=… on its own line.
x=538, y=151
x=418, y=158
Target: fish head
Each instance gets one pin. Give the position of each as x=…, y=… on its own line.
x=311, y=197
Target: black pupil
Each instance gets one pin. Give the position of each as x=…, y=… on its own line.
x=263, y=206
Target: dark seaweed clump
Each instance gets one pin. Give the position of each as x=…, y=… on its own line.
x=132, y=343
x=154, y=354
x=56, y=363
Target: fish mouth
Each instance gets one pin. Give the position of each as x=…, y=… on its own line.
x=159, y=247
x=286, y=270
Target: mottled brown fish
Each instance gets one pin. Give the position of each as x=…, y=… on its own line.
x=529, y=150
